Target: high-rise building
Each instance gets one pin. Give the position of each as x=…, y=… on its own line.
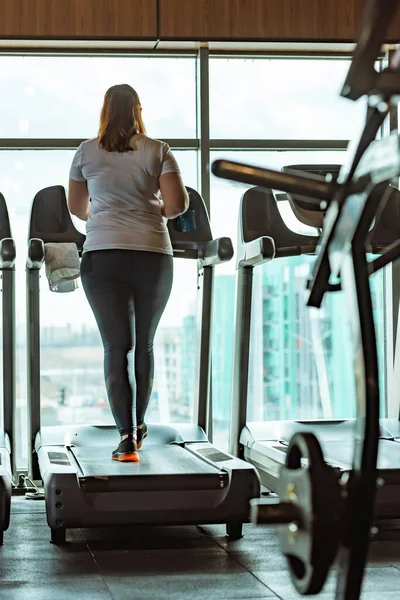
x=167, y=389
x=222, y=350
x=188, y=358
x=300, y=358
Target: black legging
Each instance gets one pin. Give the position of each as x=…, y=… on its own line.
x=127, y=291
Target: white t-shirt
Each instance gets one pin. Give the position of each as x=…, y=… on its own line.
x=125, y=210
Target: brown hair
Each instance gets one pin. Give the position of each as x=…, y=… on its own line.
x=120, y=118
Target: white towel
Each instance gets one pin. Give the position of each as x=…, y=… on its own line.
x=62, y=266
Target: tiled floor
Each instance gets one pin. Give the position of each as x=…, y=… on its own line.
x=177, y=563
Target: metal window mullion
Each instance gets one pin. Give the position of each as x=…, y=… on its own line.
x=202, y=143
x=278, y=144
x=280, y=54
x=203, y=123
x=73, y=143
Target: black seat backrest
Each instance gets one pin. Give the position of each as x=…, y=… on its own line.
x=260, y=217
x=50, y=218
x=308, y=210
x=51, y=221
x=5, y=229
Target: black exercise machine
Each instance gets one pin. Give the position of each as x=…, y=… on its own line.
x=7, y=429
x=182, y=478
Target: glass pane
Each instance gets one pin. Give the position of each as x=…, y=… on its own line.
x=281, y=99
x=61, y=97
x=301, y=360
x=72, y=357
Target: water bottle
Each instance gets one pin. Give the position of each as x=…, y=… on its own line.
x=187, y=222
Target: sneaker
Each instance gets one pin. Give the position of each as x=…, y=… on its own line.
x=126, y=451
x=141, y=434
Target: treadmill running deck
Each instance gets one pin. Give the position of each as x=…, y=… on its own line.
x=162, y=460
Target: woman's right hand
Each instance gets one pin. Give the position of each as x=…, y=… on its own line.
x=162, y=207
x=174, y=195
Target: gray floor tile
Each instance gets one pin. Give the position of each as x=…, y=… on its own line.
x=253, y=537
x=378, y=583
x=232, y=586
x=147, y=538
x=173, y=562
x=380, y=596
x=31, y=549
x=261, y=558
x=384, y=554
x=36, y=569
x=25, y=525
x=83, y=588
x=19, y=504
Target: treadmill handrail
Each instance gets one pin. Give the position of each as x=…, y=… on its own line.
x=7, y=254
x=257, y=252
x=216, y=252
x=36, y=254
x=307, y=185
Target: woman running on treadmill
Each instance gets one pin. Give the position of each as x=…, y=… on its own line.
x=126, y=268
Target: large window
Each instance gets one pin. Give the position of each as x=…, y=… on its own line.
x=257, y=104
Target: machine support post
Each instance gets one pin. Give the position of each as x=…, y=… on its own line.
x=8, y=295
x=33, y=366
x=240, y=373
x=205, y=280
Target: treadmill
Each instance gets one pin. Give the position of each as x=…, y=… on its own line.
x=181, y=478
x=7, y=438
x=263, y=236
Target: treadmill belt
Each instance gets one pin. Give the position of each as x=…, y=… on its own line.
x=161, y=467
x=342, y=454
x=338, y=454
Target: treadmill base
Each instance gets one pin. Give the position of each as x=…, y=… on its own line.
x=234, y=531
x=58, y=536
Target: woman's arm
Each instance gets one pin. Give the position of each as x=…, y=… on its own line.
x=78, y=199
x=174, y=195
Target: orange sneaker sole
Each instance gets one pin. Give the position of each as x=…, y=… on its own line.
x=132, y=457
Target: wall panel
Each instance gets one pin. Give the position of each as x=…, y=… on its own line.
x=251, y=20
x=291, y=20
x=132, y=19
